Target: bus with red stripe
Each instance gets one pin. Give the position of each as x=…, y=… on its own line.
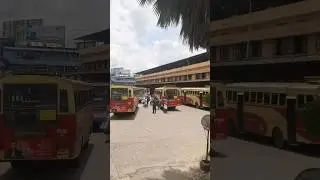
x=219, y=114
x=122, y=99
x=43, y=118
x=275, y=110
x=170, y=97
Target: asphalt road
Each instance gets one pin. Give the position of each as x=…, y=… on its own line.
x=157, y=146
x=249, y=160
x=95, y=165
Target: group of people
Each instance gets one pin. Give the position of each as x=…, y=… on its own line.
x=154, y=101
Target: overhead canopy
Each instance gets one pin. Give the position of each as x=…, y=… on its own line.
x=103, y=36
x=177, y=64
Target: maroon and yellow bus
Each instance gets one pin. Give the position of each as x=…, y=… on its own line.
x=43, y=118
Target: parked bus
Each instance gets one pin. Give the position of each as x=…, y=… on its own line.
x=140, y=93
x=272, y=110
x=195, y=96
x=43, y=118
x=122, y=99
x=170, y=97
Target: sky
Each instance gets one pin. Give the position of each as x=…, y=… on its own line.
x=79, y=16
x=136, y=41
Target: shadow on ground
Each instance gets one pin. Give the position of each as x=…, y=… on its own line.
x=302, y=149
x=50, y=170
x=125, y=116
x=177, y=174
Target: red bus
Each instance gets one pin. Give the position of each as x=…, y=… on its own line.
x=170, y=97
x=219, y=114
x=43, y=118
x=273, y=110
x=122, y=100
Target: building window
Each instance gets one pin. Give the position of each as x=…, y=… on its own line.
x=300, y=44
x=224, y=52
x=198, y=76
x=190, y=77
x=185, y=77
x=239, y=51
x=203, y=75
x=255, y=49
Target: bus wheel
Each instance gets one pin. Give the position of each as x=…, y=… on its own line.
x=277, y=138
x=197, y=105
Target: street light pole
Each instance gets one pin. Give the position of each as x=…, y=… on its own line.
x=248, y=41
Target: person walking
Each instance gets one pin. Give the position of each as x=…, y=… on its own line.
x=148, y=99
x=154, y=105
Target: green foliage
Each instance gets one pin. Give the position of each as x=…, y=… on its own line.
x=310, y=118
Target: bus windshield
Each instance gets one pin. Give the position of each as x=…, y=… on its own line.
x=118, y=94
x=170, y=93
x=30, y=107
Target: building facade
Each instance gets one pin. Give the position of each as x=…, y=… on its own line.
x=94, y=52
x=265, y=41
x=120, y=72
x=192, y=71
x=25, y=31
x=49, y=61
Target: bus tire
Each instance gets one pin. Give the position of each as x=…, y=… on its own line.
x=197, y=105
x=277, y=138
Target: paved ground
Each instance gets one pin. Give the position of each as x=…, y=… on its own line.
x=157, y=146
x=250, y=160
x=95, y=165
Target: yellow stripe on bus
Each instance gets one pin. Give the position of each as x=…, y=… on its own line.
x=48, y=115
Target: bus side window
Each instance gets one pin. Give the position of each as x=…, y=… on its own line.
x=234, y=96
x=282, y=99
x=76, y=100
x=274, y=98
x=64, y=101
x=266, y=97
x=253, y=97
x=260, y=97
x=301, y=101
x=246, y=97
x=229, y=96
x=130, y=93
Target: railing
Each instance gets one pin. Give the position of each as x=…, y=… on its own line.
x=304, y=57
x=170, y=82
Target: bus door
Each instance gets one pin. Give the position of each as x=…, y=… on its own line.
x=29, y=121
x=219, y=127
x=291, y=119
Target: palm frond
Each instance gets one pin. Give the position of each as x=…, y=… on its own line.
x=192, y=14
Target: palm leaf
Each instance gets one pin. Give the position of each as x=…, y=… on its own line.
x=192, y=14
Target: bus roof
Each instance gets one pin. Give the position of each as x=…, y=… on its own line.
x=22, y=79
x=196, y=88
x=120, y=86
x=276, y=85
